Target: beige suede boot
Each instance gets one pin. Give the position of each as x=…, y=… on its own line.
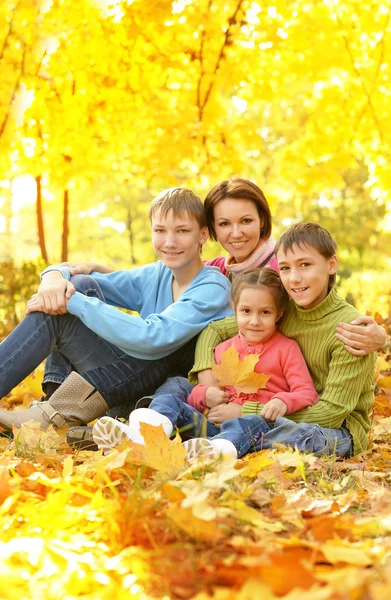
x=76, y=402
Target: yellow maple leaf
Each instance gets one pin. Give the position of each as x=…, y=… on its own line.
x=160, y=452
x=239, y=373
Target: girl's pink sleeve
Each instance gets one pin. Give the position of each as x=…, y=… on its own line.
x=197, y=397
x=302, y=390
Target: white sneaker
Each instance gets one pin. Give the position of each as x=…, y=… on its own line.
x=108, y=432
x=151, y=417
x=209, y=448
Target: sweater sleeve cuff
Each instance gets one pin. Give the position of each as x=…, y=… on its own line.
x=65, y=271
x=197, y=397
x=76, y=304
x=201, y=365
x=252, y=408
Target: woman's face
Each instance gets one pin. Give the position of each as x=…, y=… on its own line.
x=237, y=225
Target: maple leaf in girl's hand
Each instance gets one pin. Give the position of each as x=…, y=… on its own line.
x=239, y=373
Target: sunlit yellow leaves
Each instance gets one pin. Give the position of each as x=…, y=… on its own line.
x=28, y=390
x=143, y=522
x=239, y=373
x=197, y=528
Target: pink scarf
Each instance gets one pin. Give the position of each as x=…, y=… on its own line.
x=262, y=253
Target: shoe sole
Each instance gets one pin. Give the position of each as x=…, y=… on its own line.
x=200, y=447
x=80, y=438
x=108, y=433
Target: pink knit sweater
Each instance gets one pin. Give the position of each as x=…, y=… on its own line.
x=279, y=357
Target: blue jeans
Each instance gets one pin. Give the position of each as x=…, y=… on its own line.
x=176, y=386
x=120, y=378
x=190, y=422
x=252, y=433
x=57, y=366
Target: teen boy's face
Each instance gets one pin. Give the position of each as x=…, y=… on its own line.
x=305, y=274
x=177, y=240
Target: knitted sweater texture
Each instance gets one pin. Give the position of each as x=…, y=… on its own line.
x=343, y=381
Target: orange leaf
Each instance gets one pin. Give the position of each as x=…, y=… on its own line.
x=239, y=373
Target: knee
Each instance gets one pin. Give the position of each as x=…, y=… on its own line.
x=168, y=400
x=83, y=283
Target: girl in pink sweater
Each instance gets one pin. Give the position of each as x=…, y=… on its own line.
x=259, y=301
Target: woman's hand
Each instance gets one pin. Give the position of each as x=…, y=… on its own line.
x=215, y=396
x=224, y=412
x=85, y=268
x=53, y=295
x=359, y=340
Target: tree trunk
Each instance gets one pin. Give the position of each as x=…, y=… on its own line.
x=65, y=227
x=41, y=230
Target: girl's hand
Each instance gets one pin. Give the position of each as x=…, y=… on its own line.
x=215, y=396
x=359, y=340
x=224, y=412
x=273, y=409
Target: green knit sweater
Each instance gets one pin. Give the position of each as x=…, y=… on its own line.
x=343, y=381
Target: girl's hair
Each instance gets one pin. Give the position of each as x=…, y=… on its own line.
x=265, y=277
x=310, y=235
x=238, y=189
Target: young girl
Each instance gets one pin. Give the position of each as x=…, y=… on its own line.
x=259, y=301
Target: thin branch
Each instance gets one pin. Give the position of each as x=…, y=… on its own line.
x=380, y=43
x=231, y=22
x=361, y=79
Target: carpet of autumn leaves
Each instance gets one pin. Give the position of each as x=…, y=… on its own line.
x=141, y=523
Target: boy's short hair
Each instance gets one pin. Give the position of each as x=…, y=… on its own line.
x=237, y=188
x=257, y=278
x=310, y=235
x=179, y=200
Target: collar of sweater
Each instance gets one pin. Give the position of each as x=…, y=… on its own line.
x=331, y=303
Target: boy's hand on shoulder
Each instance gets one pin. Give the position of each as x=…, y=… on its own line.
x=215, y=396
x=359, y=340
x=224, y=412
x=273, y=409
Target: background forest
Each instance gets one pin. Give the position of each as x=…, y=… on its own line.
x=103, y=103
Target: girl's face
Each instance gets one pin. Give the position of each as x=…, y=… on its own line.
x=256, y=313
x=237, y=225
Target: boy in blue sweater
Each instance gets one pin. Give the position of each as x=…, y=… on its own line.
x=117, y=357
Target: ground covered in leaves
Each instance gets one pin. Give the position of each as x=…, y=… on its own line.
x=141, y=523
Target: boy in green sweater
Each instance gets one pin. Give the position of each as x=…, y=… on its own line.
x=339, y=421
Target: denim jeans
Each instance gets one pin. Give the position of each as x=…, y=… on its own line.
x=177, y=386
x=57, y=366
x=189, y=421
x=252, y=433
x=120, y=378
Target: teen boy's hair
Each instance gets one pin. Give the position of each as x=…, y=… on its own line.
x=237, y=188
x=180, y=200
x=260, y=278
x=309, y=235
